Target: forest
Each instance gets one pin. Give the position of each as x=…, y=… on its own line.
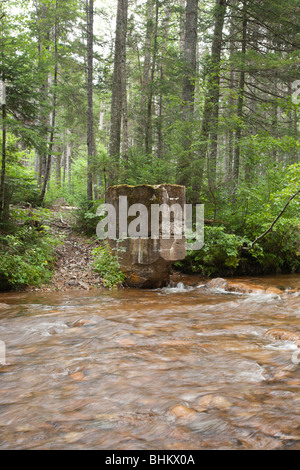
x=199, y=93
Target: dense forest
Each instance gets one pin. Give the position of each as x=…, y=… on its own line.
x=201, y=93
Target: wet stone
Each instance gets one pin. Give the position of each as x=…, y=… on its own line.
x=182, y=411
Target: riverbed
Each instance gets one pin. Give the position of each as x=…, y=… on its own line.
x=184, y=367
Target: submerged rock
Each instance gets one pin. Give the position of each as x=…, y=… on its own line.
x=218, y=283
x=3, y=306
x=213, y=401
x=273, y=290
x=241, y=287
x=182, y=411
x=245, y=288
x=283, y=335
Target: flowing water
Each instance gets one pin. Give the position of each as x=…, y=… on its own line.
x=176, y=368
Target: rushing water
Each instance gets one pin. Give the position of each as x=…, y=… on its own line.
x=112, y=370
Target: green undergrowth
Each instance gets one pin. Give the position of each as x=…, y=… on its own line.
x=26, y=250
x=107, y=266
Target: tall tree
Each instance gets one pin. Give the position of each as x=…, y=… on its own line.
x=90, y=112
x=146, y=100
x=188, y=88
x=3, y=107
x=118, y=88
x=54, y=110
x=211, y=107
x=43, y=25
x=241, y=93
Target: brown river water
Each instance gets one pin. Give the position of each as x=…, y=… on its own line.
x=177, y=368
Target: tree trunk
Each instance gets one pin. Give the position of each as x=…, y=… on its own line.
x=117, y=102
x=58, y=171
x=147, y=68
x=3, y=167
x=53, y=116
x=90, y=115
x=220, y=11
x=148, y=127
x=188, y=89
x=231, y=104
x=211, y=107
x=69, y=163
x=159, y=120
x=182, y=26
x=240, y=104
x=43, y=29
x=125, y=143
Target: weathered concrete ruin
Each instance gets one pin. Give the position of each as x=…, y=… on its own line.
x=146, y=260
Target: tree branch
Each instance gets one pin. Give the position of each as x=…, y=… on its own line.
x=274, y=222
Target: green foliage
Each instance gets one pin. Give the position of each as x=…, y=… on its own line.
x=244, y=218
x=21, y=186
x=26, y=255
x=20, y=183
x=107, y=265
x=145, y=169
x=86, y=217
x=220, y=254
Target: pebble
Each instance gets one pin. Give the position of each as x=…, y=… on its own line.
x=84, y=285
x=273, y=290
x=279, y=334
x=213, y=401
x=71, y=437
x=78, y=376
x=182, y=411
x=76, y=324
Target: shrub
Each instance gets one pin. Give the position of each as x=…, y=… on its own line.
x=26, y=256
x=219, y=255
x=87, y=217
x=106, y=264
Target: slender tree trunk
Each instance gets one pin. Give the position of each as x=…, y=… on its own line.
x=231, y=103
x=211, y=108
x=90, y=115
x=3, y=107
x=159, y=126
x=58, y=171
x=43, y=118
x=147, y=68
x=190, y=58
x=117, y=102
x=3, y=166
x=148, y=127
x=69, y=163
x=51, y=143
x=240, y=104
x=182, y=26
x=64, y=166
x=125, y=143
x=216, y=59
x=188, y=90
x=53, y=115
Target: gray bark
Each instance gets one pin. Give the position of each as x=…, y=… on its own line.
x=211, y=108
x=117, y=102
x=240, y=104
x=90, y=125
x=188, y=89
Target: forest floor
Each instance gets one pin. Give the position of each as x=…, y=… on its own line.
x=73, y=266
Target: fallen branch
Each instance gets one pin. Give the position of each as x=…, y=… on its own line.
x=271, y=227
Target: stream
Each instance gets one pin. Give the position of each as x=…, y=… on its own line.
x=174, y=368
